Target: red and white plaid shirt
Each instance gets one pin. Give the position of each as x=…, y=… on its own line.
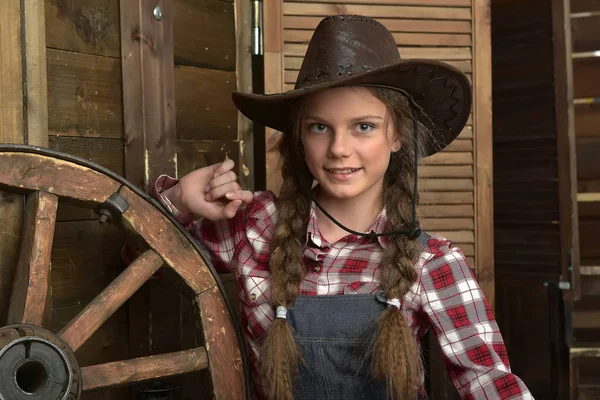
x=446, y=296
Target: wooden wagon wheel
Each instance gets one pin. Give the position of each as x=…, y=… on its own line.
x=38, y=364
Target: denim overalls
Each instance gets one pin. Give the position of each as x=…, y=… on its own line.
x=333, y=334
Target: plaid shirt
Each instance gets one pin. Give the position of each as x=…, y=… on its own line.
x=446, y=296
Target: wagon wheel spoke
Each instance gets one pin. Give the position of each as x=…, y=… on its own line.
x=144, y=368
x=76, y=332
x=29, y=302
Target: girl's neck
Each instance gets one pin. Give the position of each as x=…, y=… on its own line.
x=356, y=213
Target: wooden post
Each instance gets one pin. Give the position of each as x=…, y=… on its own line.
x=482, y=121
x=273, y=59
x=148, y=90
x=23, y=115
x=243, y=59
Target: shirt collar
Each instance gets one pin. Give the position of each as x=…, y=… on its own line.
x=313, y=234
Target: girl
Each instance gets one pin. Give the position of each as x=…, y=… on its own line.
x=337, y=282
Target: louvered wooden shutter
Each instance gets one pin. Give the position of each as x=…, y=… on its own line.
x=455, y=183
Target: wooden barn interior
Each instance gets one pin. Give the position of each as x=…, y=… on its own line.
x=143, y=88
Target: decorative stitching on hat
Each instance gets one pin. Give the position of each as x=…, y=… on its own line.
x=322, y=71
x=344, y=70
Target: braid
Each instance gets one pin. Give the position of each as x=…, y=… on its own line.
x=279, y=354
x=396, y=357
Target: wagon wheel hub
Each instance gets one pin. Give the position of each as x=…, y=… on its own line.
x=36, y=364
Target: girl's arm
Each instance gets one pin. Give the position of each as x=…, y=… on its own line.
x=473, y=348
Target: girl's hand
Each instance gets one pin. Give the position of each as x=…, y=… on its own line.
x=210, y=192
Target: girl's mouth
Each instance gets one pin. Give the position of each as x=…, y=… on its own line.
x=342, y=173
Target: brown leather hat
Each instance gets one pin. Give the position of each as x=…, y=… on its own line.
x=350, y=50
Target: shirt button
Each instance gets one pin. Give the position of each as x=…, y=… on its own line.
x=252, y=296
x=317, y=268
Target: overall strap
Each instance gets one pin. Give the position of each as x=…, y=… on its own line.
x=423, y=239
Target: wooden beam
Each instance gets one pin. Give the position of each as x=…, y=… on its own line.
x=243, y=40
x=565, y=143
x=148, y=90
x=273, y=72
x=482, y=125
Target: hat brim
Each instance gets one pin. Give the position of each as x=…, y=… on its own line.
x=442, y=91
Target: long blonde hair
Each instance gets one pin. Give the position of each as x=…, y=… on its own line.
x=395, y=353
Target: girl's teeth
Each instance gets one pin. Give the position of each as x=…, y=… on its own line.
x=342, y=171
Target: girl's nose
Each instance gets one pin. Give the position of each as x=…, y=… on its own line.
x=339, y=145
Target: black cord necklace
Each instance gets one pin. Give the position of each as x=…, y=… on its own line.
x=415, y=231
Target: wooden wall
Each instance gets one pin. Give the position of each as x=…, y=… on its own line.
x=585, y=23
x=86, y=119
x=456, y=183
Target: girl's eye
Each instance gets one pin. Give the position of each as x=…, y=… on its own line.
x=318, y=127
x=364, y=127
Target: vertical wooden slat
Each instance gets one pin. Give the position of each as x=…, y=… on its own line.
x=35, y=81
x=482, y=121
x=274, y=72
x=243, y=39
x=566, y=149
x=11, y=131
x=148, y=90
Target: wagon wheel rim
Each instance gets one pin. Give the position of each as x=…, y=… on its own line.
x=125, y=204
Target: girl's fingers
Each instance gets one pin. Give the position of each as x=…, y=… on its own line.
x=221, y=180
x=221, y=191
x=223, y=167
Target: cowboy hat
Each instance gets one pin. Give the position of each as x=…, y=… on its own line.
x=353, y=50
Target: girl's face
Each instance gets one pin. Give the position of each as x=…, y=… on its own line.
x=348, y=137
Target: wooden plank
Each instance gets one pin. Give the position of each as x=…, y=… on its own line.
x=178, y=253
x=482, y=126
x=587, y=159
x=106, y=152
x=434, y=53
x=450, y=171
x=578, y=6
x=377, y=11
x=393, y=25
x=148, y=91
x=586, y=319
x=194, y=154
x=204, y=107
x=587, y=120
x=244, y=79
x=447, y=224
x=466, y=236
x=143, y=368
x=79, y=330
x=84, y=26
x=445, y=211
x=406, y=39
x=204, y=34
x=224, y=356
x=274, y=83
x=432, y=198
x=35, y=72
x=85, y=259
x=11, y=216
x=442, y=185
x=84, y=95
x=32, y=278
x=11, y=77
x=444, y=158
x=62, y=178
x=460, y=145
x=456, y=3
x=584, y=33
x=585, y=72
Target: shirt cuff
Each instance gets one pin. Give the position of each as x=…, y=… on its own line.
x=163, y=183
